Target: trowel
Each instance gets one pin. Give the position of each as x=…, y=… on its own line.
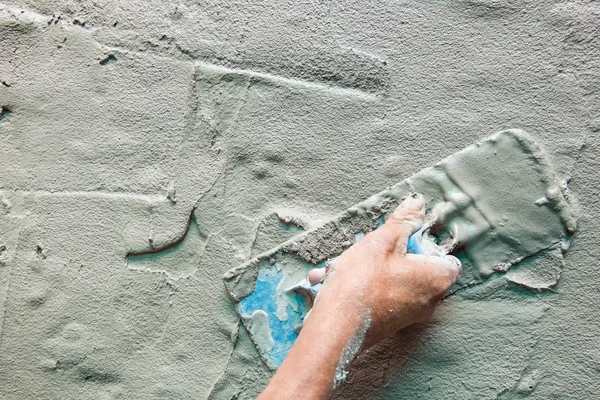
x=492, y=205
x=421, y=242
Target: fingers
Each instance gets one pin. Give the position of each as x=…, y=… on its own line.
x=456, y=267
x=316, y=275
x=406, y=219
x=448, y=269
x=452, y=264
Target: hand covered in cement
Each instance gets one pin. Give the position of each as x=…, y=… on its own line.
x=380, y=283
x=371, y=291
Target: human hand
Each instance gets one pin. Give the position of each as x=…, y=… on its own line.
x=378, y=281
x=371, y=291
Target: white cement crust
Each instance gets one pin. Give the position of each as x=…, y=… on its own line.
x=253, y=110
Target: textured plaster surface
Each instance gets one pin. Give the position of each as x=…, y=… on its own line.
x=146, y=148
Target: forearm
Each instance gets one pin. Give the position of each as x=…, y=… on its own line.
x=309, y=370
x=373, y=290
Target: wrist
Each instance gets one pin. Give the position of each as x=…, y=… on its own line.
x=326, y=345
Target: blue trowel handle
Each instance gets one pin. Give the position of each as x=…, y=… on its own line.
x=414, y=243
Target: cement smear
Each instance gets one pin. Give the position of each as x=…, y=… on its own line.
x=349, y=353
x=121, y=119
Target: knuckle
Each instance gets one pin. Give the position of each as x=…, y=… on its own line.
x=378, y=240
x=405, y=222
x=440, y=282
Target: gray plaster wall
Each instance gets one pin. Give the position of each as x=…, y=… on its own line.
x=146, y=148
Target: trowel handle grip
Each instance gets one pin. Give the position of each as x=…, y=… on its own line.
x=414, y=244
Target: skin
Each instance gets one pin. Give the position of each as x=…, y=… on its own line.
x=370, y=292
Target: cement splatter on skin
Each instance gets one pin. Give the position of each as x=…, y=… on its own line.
x=248, y=109
x=350, y=351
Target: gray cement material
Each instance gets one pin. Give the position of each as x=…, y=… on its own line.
x=120, y=120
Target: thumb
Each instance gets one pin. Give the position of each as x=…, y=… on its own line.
x=406, y=219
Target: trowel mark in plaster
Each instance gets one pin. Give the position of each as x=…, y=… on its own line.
x=273, y=229
x=149, y=198
x=109, y=59
x=178, y=260
x=181, y=258
x=527, y=383
x=250, y=77
x=335, y=68
x=5, y=112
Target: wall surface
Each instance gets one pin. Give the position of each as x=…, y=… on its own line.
x=146, y=148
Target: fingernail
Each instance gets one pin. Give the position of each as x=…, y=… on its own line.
x=413, y=202
x=316, y=275
x=457, y=264
x=453, y=260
